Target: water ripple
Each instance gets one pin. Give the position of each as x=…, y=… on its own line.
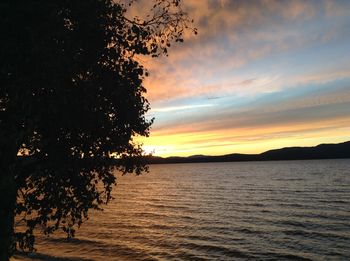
x=295, y=210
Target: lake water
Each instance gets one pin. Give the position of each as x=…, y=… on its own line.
x=219, y=211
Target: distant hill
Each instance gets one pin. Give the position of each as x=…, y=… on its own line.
x=322, y=151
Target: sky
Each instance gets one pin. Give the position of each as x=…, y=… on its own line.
x=259, y=75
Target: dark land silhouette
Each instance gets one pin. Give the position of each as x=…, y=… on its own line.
x=322, y=151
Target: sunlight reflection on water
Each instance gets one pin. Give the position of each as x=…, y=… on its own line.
x=220, y=211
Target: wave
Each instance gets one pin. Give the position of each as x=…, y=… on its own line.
x=207, y=248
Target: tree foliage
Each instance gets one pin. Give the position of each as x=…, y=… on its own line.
x=71, y=94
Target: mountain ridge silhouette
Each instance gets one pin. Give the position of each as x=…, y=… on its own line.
x=321, y=151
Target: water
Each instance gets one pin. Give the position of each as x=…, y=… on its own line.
x=219, y=211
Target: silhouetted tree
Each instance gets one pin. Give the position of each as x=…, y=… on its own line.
x=71, y=94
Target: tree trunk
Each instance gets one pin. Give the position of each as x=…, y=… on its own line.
x=7, y=204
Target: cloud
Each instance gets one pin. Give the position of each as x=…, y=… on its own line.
x=179, y=108
x=249, y=140
x=337, y=8
x=233, y=35
x=271, y=70
x=317, y=116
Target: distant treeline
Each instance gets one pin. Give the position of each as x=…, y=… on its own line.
x=322, y=151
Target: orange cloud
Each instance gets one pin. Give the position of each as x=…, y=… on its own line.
x=227, y=33
x=235, y=35
x=246, y=140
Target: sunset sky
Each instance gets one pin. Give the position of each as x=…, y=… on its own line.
x=259, y=75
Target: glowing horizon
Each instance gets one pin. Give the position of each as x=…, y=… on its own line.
x=260, y=75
